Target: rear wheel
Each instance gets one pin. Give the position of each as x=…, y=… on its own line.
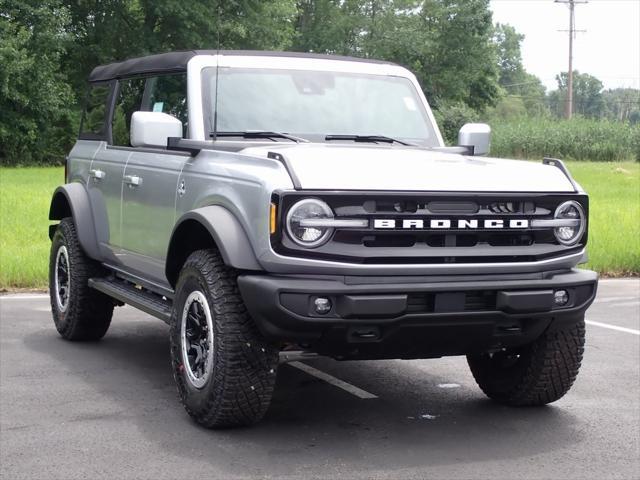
x=535, y=374
x=224, y=369
x=79, y=312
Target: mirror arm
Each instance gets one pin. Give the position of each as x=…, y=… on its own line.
x=183, y=145
x=459, y=149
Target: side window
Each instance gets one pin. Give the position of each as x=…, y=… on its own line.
x=168, y=94
x=93, y=117
x=129, y=100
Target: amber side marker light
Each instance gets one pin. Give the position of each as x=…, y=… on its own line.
x=272, y=219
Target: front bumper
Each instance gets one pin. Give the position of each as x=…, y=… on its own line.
x=414, y=317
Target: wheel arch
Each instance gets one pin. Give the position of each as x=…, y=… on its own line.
x=209, y=227
x=72, y=200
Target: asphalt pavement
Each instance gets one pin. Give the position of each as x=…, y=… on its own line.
x=110, y=410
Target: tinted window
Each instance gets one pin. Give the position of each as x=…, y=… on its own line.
x=168, y=94
x=93, y=118
x=129, y=100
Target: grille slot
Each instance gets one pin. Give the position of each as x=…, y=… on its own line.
x=505, y=207
x=389, y=241
x=480, y=301
x=474, y=301
x=383, y=206
x=510, y=240
x=452, y=207
x=420, y=303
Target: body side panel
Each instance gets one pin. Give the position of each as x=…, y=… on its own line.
x=241, y=184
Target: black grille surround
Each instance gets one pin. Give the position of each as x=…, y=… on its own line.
x=398, y=246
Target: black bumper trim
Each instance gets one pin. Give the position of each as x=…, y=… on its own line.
x=282, y=307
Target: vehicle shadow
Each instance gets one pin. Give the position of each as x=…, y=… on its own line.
x=312, y=425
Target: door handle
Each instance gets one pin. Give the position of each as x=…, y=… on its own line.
x=132, y=180
x=97, y=174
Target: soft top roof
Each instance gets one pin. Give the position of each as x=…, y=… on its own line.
x=173, y=62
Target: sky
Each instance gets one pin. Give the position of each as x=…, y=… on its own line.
x=609, y=49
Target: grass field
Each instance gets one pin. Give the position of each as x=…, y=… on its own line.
x=576, y=139
x=25, y=193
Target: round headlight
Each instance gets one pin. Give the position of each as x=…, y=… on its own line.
x=309, y=209
x=569, y=235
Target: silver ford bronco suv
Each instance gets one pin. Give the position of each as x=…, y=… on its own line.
x=266, y=203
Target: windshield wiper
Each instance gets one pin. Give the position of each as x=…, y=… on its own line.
x=368, y=138
x=259, y=134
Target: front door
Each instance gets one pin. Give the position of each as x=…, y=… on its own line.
x=150, y=186
x=150, y=178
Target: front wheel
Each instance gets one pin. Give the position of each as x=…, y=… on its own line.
x=535, y=374
x=224, y=369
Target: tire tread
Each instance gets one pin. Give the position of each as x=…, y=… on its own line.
x=89, y=312
x=551, y=369
x=244, y=363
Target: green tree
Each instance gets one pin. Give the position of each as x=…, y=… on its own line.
x=37, y=119
x=326, y=26
x=447, y=43
x=104, y=31
x=587, y=95
x=508, y=42
x=622, y=104
x=453, y=54
x=524, y=93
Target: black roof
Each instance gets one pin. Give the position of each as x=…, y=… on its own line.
x=173, y=62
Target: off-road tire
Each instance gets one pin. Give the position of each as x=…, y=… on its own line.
x=239, y=388
x=88, y=313
x=543, y=373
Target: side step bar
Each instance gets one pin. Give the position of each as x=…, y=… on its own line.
x=126, y=292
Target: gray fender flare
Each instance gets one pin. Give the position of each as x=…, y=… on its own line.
x=72, y=200
x=225, y=230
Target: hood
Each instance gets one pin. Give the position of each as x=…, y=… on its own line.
x=375, y=167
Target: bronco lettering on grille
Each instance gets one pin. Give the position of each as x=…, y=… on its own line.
x=444, y=224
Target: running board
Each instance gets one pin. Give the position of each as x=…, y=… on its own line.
x=126, y=292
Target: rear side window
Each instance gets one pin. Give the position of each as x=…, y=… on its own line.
x=93, y=125
x=168, y=94
x=129, y=100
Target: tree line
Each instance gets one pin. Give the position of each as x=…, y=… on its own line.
x=468, y=67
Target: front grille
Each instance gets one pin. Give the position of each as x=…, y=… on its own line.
x=368, y=245
x=436, y=240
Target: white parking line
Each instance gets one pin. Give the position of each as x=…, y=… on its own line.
x=24, y=296
x=336, y=382
x=614, y=299
x=635, y=303
x=613, y=327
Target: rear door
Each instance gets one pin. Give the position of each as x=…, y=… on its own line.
x=106, y=167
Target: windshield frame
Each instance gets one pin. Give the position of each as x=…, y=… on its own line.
x=197, y=102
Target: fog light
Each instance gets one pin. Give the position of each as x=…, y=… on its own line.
x=322, y=305
x=561, y=298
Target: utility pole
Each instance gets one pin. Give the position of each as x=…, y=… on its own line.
x=568, y=108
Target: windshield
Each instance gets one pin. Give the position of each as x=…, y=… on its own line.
x=314, y=104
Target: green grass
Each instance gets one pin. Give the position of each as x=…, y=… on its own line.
x=25, y=193
x=614, y=215
x=575, y=139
